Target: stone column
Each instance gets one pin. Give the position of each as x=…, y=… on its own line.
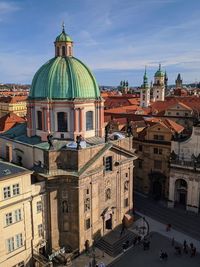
x=192, y=196
x=171, y=197
x=81, y=119
x=75, y=120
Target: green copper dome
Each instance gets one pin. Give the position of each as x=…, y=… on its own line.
x=64, y=78
x=159, y=72
x=63, y=37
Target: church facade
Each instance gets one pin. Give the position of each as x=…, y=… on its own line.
x=88, y=177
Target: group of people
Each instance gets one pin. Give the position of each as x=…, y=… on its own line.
x=136, y=241
x=187, y=249
x=163, y=255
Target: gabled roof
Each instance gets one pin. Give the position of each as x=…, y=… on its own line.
x=102, y=151
x=184, y=106
x=9, y=121
x=167, y=123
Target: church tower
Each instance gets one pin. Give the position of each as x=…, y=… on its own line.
x=65, y=99
x=179, y=81
x=145, y=92
x=159, y=85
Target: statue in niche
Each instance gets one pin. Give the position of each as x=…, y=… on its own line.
x=87, y=204
x=50, y=140
x=65, y=206
x=126, y=185
x=108, y=193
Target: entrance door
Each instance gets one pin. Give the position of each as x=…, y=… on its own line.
x=157, y=190
x=182, y=198
x=108, y=223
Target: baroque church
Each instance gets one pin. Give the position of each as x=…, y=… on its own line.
x=88, y=172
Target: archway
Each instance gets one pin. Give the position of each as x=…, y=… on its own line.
x=157, y=185
x=157, y=190
x=181, y=192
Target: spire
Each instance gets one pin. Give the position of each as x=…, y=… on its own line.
x=160, y=66
x=63, y=27
x=145, y=79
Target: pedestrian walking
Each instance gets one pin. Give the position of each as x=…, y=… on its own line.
x=173, y=241
x=193, y=251
x=168, y=227
x=185, y=247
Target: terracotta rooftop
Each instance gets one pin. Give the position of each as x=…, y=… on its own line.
x=9, y=121
x=13, y=99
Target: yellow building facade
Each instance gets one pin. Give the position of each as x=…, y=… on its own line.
x=22, y=220
x=15, y=104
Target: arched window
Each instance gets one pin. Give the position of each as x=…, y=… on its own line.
x=62, y=121
x=89, y=120
x=58, y=52
x=63, y=51
x=39, y=120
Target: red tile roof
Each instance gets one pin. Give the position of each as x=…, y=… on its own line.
x=9, y=121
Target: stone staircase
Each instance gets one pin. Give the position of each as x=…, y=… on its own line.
x=112, y=242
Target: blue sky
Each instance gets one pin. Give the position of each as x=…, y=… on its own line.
x=115, y=38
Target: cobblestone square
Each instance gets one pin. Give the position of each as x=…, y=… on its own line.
x=137, y=257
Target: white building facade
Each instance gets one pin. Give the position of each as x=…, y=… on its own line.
x=184, y=183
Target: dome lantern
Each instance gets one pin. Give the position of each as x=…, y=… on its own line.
x=63, y=44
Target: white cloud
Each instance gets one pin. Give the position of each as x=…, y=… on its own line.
x=6, y=8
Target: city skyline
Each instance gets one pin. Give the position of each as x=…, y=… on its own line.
x=115, y=39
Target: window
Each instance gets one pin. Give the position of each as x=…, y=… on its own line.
x=62, y=121
x=89, y=120
x=158, y=137
x=18, y=215
x=108, y=164
x=19, y=240
x=169, y=113
x=87, y=224
x=63, y=51
x=40, y=230
x=108, y=194
x=177, y=113
x=9, y=219
x=158, y=164
x=186, y=114
x=125, y=202
x=16, y=190
x=157, y=151
x=140, y=147
x=6, y=192
x=39, y=120
x=10, y=244
x=39, y=206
